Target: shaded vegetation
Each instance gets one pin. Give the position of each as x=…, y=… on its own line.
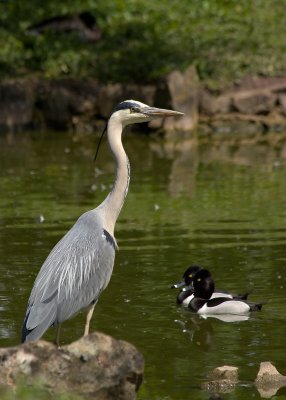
x=24, y=392
x=142, y=40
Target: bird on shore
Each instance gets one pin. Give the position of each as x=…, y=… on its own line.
x=80, y=265
x=84, y=24
x=187, y=293
x=202, y=303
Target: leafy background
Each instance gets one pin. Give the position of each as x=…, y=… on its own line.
x=142, y=40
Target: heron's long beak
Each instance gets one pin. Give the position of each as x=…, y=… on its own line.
x=160, y=112
x=178, y=285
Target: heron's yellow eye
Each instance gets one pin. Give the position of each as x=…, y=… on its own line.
x=133, y=109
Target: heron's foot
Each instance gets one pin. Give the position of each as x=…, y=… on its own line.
x=88, y=319
x=57, y=338
x=86, y=329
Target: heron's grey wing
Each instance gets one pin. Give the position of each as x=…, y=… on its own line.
x=91, y=276
x=78, y=268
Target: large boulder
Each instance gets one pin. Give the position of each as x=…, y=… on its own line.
x=96, y=366
x=184, y=96
x=254, y=101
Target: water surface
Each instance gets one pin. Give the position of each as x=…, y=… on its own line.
x=184, y=206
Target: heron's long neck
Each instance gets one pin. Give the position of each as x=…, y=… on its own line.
x=114, y=201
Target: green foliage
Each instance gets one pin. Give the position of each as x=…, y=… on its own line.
x=37, y=391
x=144, y=40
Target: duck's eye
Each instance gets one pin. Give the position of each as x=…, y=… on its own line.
x=190, y=276
x=199, y=279
x=133, y=109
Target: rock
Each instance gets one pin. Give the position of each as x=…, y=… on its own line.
x=273, y=83
x=83, y=104
x=60, y=100
x=225, y=372
x=17, y=103
x=210, y=104
x=222, y=379
x=282, y=102
x=63, y=101
x=207, y=102
x=254, y=101
x=184, y=95
x=112, y=94
x=269, y=380
x=268, y=374
x=96, y=366
x=224, y=103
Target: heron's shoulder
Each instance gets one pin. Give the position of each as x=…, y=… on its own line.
x=93, y=223
x=90, y=219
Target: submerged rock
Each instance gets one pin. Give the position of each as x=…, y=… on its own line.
x=222, y=379
x=269, y=380
x=96, y=366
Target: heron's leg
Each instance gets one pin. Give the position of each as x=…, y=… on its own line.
x=57, y=339
x=88, y=318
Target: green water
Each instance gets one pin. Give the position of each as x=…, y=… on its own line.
x=184, y=206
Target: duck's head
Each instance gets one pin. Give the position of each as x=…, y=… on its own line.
x=188, y=276
x=203, y=284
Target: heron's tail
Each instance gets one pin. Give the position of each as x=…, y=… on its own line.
x=32, y=331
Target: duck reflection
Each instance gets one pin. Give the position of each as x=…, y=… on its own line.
x=200, y=328
x=227, y=317
x=199, y=331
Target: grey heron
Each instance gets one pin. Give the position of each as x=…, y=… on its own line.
x=80, y=265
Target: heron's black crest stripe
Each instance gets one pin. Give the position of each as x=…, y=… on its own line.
x=109, y=239
x=100, y=139
x=124, y=105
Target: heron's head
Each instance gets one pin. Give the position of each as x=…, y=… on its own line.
x=133, y=111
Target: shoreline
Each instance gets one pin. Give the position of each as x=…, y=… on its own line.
x=255, y=104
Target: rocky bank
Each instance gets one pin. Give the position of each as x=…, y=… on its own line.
x=84, y=105
x=96, y=366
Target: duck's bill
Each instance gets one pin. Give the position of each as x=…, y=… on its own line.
x=160, y=112
x=178, y=285
x=190, y=287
